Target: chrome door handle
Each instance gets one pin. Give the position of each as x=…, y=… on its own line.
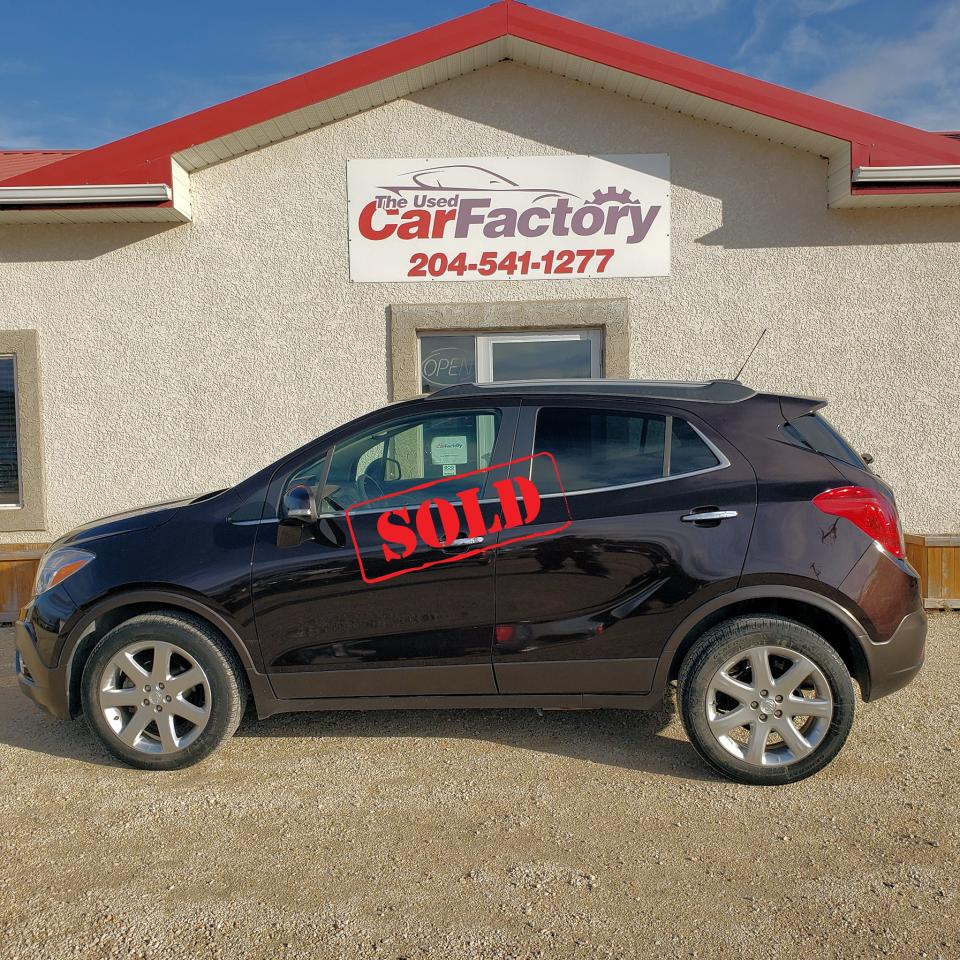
x=465, y=541
x=709, y=515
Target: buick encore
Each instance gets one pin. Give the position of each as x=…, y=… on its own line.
x=557, y=545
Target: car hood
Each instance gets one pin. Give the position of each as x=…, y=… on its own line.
x=143, y=518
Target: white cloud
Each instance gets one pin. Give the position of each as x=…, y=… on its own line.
x=914, y=79
x=617, y=14
x=765, y=12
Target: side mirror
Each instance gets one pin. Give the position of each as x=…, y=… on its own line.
x=300, y=504
x=866, y=457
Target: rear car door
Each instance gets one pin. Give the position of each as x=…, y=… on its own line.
x=588, y=610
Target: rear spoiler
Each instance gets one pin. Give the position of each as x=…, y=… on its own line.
x=793, y=407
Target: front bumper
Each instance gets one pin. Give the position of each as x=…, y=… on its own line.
x=893, y=664
x=45, y=686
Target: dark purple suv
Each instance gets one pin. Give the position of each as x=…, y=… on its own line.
x=558, y=545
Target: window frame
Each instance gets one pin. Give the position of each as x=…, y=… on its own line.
x=528, y=430
x=30, y=513
x=500, y=454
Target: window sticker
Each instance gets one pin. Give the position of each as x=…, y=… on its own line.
x=449, y=469
x=448, y=450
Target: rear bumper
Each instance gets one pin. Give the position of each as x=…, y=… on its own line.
x=893, y=664
x=45, y=686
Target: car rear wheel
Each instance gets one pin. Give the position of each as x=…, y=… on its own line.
x=163, y=690
x=765, y=700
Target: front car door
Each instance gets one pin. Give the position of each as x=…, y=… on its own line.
x=331, y=621
x=589, y=609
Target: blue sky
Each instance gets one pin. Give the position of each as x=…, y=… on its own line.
x=82, y=74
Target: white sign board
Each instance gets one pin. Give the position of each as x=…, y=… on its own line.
x=509, y=218
x=448, y=450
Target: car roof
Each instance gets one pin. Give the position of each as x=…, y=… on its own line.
x=704, y=391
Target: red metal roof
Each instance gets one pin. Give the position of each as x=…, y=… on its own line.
x=145, y=157
x=13, y=162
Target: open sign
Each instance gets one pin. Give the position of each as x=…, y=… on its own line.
x=455, y=524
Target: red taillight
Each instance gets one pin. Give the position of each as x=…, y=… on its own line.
x=870, y=510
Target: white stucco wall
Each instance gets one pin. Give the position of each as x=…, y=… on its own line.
x=177, y=359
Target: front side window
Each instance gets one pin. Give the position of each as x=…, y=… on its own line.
x=392, y=458
x=10, y=492
x=595, y=449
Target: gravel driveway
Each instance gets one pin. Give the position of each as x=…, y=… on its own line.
x=488, y=834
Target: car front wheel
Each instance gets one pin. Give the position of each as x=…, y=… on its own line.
x=163, y=690
x=765, y=700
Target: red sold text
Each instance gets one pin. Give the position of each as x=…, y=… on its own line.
x=408, y=538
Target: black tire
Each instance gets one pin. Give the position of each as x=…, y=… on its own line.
x=714, y=650
x=222, y=697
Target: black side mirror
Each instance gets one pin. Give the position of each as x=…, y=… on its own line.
x=866, y=457
x=300, y=504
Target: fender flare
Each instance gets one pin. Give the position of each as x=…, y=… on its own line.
x=763, y=592
x=166, y=598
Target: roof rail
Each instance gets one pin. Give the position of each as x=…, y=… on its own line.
x=704, y=391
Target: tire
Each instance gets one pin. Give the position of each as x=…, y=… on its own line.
x=163, y=690
x=727, y=715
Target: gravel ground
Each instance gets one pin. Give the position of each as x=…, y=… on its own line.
x=493, y=834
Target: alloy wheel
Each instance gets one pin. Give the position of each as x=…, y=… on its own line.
x=769, y=706
x=155, y=697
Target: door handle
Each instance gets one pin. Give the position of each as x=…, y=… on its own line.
x=452, y=546
x=709, y=515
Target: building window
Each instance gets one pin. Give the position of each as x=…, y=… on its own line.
x=450, y=358
x=434, y=345
x=10, y=494
x=22, y=496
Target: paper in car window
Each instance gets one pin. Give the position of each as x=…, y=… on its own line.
x=448, y=450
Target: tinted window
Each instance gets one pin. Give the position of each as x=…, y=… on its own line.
x=9, y=454
x=394, y=457
x=542, y=360
x=688, y=450
x=597, y=448
x=813, y=431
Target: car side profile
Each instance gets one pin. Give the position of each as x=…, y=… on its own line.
x=558, y=545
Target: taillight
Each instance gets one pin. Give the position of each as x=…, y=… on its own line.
x=870, y=510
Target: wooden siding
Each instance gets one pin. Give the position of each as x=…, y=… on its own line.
x=937, y=560
x=18, y=568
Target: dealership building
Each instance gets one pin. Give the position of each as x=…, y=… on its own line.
x=506, y=195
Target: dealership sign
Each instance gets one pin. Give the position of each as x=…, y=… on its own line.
x=509, y=218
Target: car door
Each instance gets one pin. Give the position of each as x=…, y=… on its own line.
x=334, y=618
x=589, y=609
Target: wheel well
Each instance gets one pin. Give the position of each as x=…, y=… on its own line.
x=109, y=619
x=829, y=627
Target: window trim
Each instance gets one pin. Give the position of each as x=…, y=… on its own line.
x=724, y=461
x=30, y=513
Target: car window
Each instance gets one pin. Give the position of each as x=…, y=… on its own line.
x=391, y=458
x=594, y=448
x=815, y=432
x=689, y=452
x=597, y=448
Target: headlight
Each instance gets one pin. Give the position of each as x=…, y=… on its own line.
x=57, y=566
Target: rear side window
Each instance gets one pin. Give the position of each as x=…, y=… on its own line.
x=813, y=431
x=600, y=448
x=689, y=452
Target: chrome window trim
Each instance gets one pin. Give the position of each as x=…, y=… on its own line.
x=714, y=449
